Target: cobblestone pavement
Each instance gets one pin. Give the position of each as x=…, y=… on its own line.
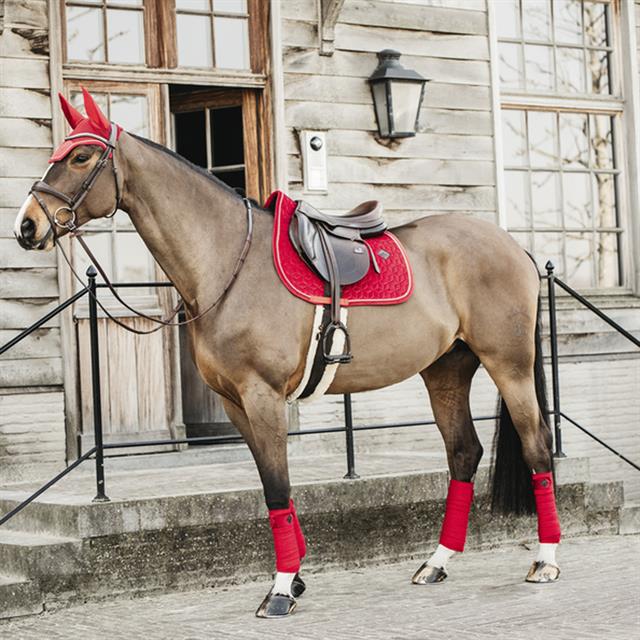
x=598, y=596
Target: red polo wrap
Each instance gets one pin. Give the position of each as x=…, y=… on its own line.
x=302, y=545
x=456, y=516
x=548, y=523
x=284, y=540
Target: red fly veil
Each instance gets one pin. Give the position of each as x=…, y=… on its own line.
x=95, y=124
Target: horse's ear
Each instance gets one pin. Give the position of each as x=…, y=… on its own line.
x=94, y=112
x=73, y=116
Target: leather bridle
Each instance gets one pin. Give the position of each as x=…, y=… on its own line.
x=71, y=205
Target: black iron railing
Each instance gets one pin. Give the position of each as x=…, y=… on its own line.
x=98, y=450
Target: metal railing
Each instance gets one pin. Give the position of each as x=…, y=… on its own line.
x=349, y=429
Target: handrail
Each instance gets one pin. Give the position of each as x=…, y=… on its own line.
x=97, y=451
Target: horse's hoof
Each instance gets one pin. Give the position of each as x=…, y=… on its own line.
x=542, y=572
x=276, y=605
x=298, y=586
x=427, y=574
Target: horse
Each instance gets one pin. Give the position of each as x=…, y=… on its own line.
x=475, y=301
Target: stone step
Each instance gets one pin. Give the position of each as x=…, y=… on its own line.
x=630, y=519
x=19, y=597
x=32, y=556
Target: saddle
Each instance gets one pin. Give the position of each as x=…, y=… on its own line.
x=334, y=247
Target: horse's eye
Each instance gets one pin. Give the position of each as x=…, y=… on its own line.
x=80, y=158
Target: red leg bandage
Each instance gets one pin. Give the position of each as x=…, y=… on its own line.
x=284, y=540
x=302, y=545
x=548, y=523
x=456, y=516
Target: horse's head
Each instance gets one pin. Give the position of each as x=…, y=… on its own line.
x=80, y=184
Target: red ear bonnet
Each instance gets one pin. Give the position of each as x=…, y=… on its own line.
x=96, y=123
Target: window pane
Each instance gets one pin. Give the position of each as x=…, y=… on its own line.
x=100, y=245
x=568, y=21
x=102, y=100
x=194, y=41
x=193, y=5
x=538, y=67
x=607, y=251
x=235, y=179
x=517, y=199
x=545, y=199
x=137, y=3
x=601, y=141
x=230, y=6
x=536, y=20
x=514, y=138
x=548, y=246
x=570, y=70
x=131, y=113
x=604, y=198
x=232, y=43
x=85, y=35
x=525, y=240
x=511, y=66
x=126, y=36
x=191, y=139
x=406, y=95
x=226, y=136
x=598, y=72
x=576, y=196
x=542, y=139
x=573, y=140
x=133, y=260
x=595, y=24
x=579, y=268
x=508, y=19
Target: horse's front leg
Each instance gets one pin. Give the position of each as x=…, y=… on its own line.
x=262, y=421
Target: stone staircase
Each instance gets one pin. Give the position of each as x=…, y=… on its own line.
x=169, y=529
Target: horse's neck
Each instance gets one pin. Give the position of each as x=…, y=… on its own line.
x=194, y=227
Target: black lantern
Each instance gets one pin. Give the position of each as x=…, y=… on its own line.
x=397, y=96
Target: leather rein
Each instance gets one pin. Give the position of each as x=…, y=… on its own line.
x=71, y=205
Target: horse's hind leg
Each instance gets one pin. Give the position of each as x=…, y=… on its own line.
x=448, y=381
x=262, y=422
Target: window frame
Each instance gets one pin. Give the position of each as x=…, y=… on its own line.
x=625, y=118
x=161, y=55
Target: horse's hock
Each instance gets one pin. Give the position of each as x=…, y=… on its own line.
x=150, y=538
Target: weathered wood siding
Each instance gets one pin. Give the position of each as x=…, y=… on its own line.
x=448, y=166
x=31, y=404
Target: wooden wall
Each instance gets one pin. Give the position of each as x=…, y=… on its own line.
x=448, y=166
x=31, y=426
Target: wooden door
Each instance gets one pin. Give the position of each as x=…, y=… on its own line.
x=136, y=370
x=223, y=131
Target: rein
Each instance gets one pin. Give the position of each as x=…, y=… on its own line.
x=74, y=201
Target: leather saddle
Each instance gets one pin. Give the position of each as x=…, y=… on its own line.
x=334, y=248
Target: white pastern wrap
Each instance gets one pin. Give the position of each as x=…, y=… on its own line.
x=314, y=343
x=282, y=583
x=547, y=553
x=440, y=557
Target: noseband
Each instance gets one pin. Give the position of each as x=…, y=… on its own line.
x=71, y=205
x=73, y=202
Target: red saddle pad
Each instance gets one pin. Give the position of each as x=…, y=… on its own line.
x=394, y=283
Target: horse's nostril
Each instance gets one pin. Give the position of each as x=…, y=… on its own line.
x=27, y=228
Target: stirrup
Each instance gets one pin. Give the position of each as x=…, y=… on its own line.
x=341, y=358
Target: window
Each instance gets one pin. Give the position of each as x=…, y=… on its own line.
x=114, y=241
x=560, y=117
x=200, y=35
x=106, y=31
x=213, y=33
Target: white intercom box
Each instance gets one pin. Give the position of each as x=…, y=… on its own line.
x=314, y=160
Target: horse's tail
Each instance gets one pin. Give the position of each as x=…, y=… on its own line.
x=511, y=477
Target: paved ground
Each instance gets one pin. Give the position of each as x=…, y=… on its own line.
x=598, y=596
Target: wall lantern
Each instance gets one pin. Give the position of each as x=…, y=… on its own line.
x=397, y=96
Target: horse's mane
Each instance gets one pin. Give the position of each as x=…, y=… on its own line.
x=194, y=167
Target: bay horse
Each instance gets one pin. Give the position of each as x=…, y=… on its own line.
x=476, y=300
